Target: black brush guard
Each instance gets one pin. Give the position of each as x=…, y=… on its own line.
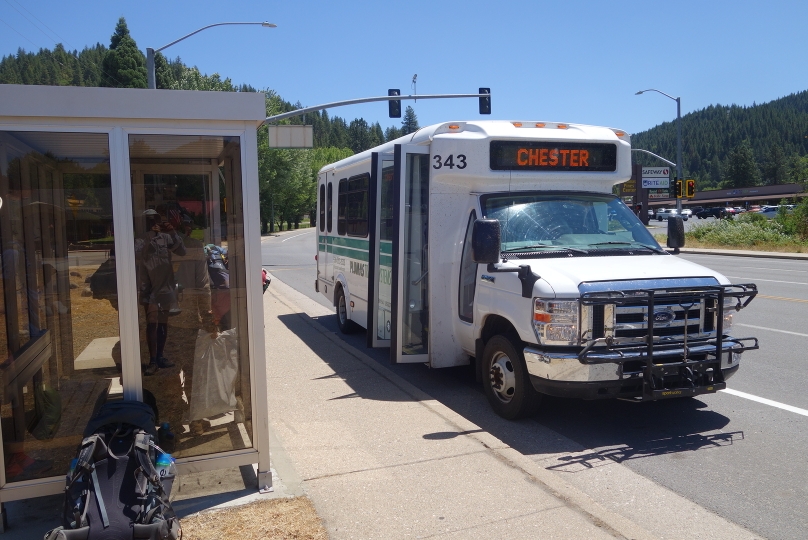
x=673, y=367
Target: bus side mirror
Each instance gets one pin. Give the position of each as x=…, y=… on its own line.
x=676, y=233
x=486, y=241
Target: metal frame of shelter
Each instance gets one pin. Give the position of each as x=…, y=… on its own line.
x=120, y=113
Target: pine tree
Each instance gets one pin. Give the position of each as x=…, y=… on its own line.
x=124, y=65
x=409, y=124
x=774, y=168
x=741, y=169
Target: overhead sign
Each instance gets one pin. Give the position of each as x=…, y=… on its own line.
x=656, y=182
x=290, y=136
x=656, y=172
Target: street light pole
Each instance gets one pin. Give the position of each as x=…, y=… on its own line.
x=150, y=52
x=679, y=175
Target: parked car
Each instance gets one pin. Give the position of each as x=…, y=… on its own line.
x=771, y=212
x=696, y=209
x=665, y=213
x=686, y=213
x=717, y=213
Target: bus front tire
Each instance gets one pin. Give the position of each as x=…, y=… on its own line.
x=506, y=381
x=346, y=325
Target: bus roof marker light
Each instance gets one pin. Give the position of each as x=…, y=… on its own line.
x=540, y=124
x=454, y=126
x=562, y=126
x=620, y=133
x=517, y=124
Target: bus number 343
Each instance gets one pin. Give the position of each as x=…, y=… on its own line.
x=449, y=161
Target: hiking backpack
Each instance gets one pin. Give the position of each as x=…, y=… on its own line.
x=114, y=491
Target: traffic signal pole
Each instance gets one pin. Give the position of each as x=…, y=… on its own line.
x=482, y=96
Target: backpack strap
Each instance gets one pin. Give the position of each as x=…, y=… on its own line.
x=101, y=507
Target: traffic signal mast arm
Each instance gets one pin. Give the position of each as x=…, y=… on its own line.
x=298, y=112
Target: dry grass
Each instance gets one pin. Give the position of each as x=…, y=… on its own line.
x=275, y=518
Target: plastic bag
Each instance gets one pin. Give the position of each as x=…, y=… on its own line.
x=214, y=377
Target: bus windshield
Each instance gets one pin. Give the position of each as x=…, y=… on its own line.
x=576, y=222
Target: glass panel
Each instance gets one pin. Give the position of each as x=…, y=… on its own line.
x=189, y=254
x=415, y=338
x=468, y=276
x=385, y=274
x=59, y=337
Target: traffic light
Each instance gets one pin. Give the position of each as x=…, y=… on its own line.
x=485, y=101
x=678, y=189
x=690, y=188
x=394, y=105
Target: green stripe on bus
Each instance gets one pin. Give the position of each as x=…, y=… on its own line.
x=357, y=254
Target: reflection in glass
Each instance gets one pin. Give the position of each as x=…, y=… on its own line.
x=59, y=337
x=385, y=274
x=189, y=256
x=415, y=338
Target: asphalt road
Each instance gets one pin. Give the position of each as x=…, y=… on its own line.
x=742, y=459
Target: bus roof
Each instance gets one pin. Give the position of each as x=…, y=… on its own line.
x=492, y=129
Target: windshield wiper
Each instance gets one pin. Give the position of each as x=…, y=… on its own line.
x=646, y=246
x=534, y=246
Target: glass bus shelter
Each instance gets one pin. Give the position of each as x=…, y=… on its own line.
x=130, y=251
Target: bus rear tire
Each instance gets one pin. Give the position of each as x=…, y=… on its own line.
x=506, y=380
x=346, y=325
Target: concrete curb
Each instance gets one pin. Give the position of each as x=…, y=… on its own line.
x=746, y=253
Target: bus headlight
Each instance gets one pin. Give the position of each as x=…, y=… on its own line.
x=555, y=322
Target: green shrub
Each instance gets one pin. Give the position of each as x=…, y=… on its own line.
x=742, y=232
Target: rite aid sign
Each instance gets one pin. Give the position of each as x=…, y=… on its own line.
x=656, y=177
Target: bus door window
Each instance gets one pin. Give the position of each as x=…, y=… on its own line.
x=468, y=276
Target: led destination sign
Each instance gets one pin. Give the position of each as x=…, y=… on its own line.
x=553, y=156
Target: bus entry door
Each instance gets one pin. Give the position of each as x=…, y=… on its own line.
x=410, y=276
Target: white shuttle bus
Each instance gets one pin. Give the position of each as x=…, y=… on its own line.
x=501, y=243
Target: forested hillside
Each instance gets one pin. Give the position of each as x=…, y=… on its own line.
x=287, y=178
x=733, y=146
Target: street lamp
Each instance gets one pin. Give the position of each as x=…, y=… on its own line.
x=678, y=139
x=150, y=52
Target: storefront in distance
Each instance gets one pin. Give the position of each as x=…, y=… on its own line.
x=130, y=250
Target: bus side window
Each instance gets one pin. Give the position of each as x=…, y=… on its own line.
x=322, y=207
x=342, y=223
x=352, y=206
x=330, y=205
x=468, y=276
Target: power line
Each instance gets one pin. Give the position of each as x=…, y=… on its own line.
x=32, y=22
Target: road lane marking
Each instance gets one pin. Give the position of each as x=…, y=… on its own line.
x=771, y=329
x=803, y=300
x=771, y=269
x=766, y=401
x=295, y=236
x=770, y=280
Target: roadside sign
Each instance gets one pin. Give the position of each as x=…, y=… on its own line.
x=630, y=187
x=656, y=172
x=658, y=194
x=656, y=182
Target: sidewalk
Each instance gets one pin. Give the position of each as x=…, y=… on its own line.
x=746, y=253
x=381, y=459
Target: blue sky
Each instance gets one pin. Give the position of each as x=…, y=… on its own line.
x=568, y=61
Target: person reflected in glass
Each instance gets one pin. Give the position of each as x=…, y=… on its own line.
x=193, y=285
x=157, y=284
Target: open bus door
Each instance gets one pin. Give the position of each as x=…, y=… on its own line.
x=380, y=270
x=409, y=339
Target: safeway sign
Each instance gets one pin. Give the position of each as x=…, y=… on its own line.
x=656, y=177
x=656, y=172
